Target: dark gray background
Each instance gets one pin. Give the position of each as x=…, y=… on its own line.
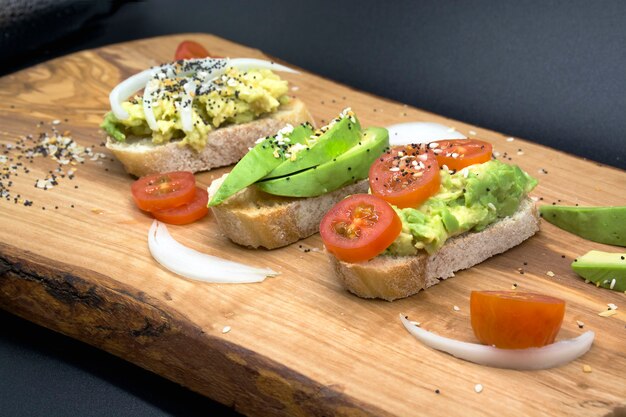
x=551, y=72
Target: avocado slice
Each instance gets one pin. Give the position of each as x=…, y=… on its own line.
x=260, y=160
x=347, y=168
x=600, y=224
x=325, y=144
x=606, y=270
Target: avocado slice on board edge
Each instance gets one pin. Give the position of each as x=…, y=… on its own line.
x=259, y=161
x=605, y=269
x=600, y=224
x=327, y=143
x=347, y=168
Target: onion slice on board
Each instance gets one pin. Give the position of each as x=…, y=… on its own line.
x=148, y=92
x=196, y=265
x=550, y=356
x=420, y=132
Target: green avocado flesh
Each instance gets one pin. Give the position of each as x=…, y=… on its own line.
x=347, y=168
x=261, y=160
x=606, y=270
x=470, y=199
x=600, y=224
x=322, y=147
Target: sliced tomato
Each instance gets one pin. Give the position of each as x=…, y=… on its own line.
x=189, y=50
x=515, y=320
x=187, y=213
x=164, y=191
x=359, y=227
x=405, y=176
x=459, y=153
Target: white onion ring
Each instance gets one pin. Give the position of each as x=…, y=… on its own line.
x=420, y=132
x=192, y=264
x=185, y=111
x=128, y=87
x=151, y=87
x=125, y=89
x=550, y=356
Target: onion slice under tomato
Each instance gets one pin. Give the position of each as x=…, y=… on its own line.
x=190, y=263
x=550, y=356
x=420, y=132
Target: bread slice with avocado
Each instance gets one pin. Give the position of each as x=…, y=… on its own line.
x=424, y=220
x=224, y=146
x=254, y=218
x=197, y=114
x=279, y=191
x=394, y=277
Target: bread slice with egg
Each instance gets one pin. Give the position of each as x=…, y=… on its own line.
x=393, y=277
x=225, y=145
x=255, y=219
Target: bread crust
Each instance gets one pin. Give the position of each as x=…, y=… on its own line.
x=393, y=277
x=256, y=219
x=225, y=145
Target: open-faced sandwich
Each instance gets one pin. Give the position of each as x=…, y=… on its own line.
x=433, y=209
x=197, y=114
x=279, y=191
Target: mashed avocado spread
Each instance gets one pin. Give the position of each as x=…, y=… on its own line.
x=235, y=97
x=470, y=199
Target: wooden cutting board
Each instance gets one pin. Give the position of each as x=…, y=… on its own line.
x=77, y=261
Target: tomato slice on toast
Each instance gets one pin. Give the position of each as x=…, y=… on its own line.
x=405, y=176
x=457, y=154
x=359, y=227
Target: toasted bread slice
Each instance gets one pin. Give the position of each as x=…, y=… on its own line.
x=255, y=219
x=225, y=145
x=391, y=277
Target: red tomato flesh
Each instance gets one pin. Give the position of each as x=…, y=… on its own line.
x=164, y=191
x=405, y=176
x=515, y=320
x=189, y=50
x=459, y=153
x=187, y=213
x=359, y=227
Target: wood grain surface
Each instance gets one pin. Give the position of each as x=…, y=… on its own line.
x=77, y=261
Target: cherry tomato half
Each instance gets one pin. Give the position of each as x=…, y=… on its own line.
x=190, y=49
x=164, y=191
x=187, y=213
x=359, y=227
x=515, y=320
x=405, y=176
x=459, y=153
